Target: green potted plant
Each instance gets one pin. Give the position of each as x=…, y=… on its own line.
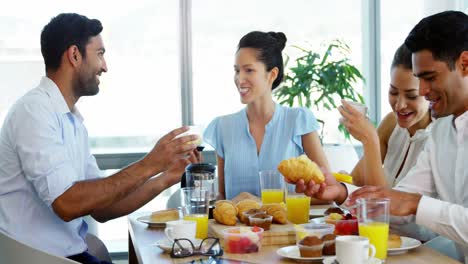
x=321, y=80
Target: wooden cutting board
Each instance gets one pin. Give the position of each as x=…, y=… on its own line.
x=277, y=235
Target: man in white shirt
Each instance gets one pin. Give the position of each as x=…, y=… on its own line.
x=49, y=179
x=435, y=190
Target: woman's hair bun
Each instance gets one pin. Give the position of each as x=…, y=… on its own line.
x=280, y=38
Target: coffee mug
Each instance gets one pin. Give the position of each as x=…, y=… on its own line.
x=353, y=249
x=358, y=106
x=180, y=229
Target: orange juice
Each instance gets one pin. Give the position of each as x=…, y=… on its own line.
x=377, y=232
x=298, y=207
x=272, y=196
x=202, y=224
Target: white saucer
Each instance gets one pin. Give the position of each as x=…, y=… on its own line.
x=370, y=261
x=292, y=252
x=166, y=245
x=407, y=243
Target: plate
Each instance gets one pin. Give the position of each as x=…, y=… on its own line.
x=372, y=260
x=166, y=245
x=147, y=220
x=407, y=243
x=292, y=252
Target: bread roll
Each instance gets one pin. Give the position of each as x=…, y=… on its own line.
x=394, y=241
x=225, y=212
x=301, y=167
x=278, y=212
x=165, y=215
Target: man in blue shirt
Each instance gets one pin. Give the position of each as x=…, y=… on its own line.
x=48, y=178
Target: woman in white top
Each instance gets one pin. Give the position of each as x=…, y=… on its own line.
x=401, y=135
x=397, y=141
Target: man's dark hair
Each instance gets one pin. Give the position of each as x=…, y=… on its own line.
x=63, y=31
x=444, y=34
x=269, y=46
x=402, y=58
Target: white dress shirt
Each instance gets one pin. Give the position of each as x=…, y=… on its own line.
x=441, y=175
x=43, y=152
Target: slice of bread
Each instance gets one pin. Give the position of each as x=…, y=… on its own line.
x=165, y=215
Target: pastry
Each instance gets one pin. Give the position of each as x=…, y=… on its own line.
x=244, y=206
x=225, y=212
x=250, y=212
x=310, y=247
x=301, y=167
x=244, y=196
x=261, y=220
x=277, y=211
x=394, y=241
x=328, y=244
x=165, y=215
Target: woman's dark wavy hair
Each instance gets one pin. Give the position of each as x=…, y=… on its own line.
x=63, y=31
x=269, y=46
x=444, y=34
x=402, y=58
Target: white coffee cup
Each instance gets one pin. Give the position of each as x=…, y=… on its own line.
x=358, y=106
x=180, y=229
x=353, y=249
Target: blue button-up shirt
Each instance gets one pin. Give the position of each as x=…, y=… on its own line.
x=231, y=138
x=43, y=152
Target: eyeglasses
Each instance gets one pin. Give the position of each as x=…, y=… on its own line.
x=183, y=247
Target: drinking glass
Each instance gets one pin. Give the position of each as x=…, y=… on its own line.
x=297, y=204
x=373, y=218
x=271, y=186
x=195, y=206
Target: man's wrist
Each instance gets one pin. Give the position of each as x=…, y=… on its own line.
x=343, y=193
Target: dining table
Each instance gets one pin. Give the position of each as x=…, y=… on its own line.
x=143, y=250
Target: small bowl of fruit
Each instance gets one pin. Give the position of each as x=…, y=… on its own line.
x=243, y=239
x=345, y=224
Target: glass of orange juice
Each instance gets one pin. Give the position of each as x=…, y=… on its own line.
x=271, y=186
x=195, y=205
x=297, y=205
x=373, y=218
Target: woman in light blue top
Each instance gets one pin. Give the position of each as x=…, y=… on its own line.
x=263, y=133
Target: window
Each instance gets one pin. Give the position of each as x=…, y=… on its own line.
x=139, y=99
x=398, y=18
x=219, y=25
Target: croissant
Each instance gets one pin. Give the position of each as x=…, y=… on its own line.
x=277, y=211
x=225, y=212
x=244, y=206
x=301, y=167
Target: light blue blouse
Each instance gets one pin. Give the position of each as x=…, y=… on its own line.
x=230, y=137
